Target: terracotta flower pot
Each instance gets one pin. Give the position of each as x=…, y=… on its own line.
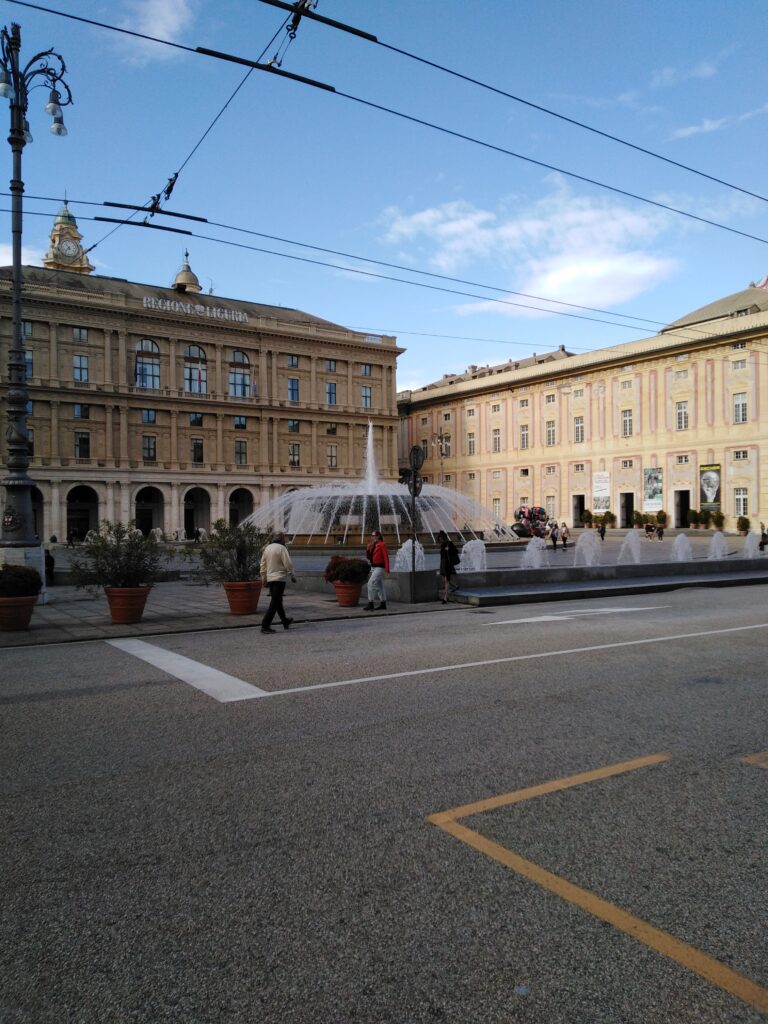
x=16, y=612
x=243, y=597
x=347, y=594
x=126, y=604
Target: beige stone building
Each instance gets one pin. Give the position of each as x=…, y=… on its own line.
x=674, y=422
x=176, y=408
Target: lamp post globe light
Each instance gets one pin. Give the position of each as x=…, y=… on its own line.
x=46, y=70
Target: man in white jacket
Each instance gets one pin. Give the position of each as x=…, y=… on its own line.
x=276, y=568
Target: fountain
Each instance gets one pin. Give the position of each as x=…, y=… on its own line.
x=402, y=561
x=630, y=548
x=350, y=510
x=473, y=558
x=751, y=547
x=717, y=547
x=535, y=555
x=587, y=549
x=681, y=549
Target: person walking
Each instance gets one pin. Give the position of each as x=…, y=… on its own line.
x=564, y=535
x=554, y=535
x=601, y=531
x=449, y=559
x=275, y=570
x=378, y=556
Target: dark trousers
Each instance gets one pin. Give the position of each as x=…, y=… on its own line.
x=276, y=591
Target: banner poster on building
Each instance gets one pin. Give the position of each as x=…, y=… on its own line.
x=709, y=488
x=601, y=492
x=653, y=491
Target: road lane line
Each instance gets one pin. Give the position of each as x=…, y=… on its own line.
x=564, y=616
x=219, y=685
x=681, y=952
x=761, y=760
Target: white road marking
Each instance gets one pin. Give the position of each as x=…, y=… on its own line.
x=222, y=687
x=564, y=616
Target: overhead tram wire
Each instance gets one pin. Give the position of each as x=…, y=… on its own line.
x=407, y=117
x=516, y=99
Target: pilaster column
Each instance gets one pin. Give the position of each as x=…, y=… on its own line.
x=172, y=365
x=57, y=517
x=273, y=380
x=125, y=502
x=109, y=432
x=108, y=357
x=350, y=382
x=55, y=431
x=351, y=446
x=174, y=521
x=220, y=438
x=220, y=502
x=174, y=440
x=313, y=395
x=53, y=365
x=275, y=443
x=123, y=439
x=263, y=443
x=122, y=362
x=110, y=502
x=314, y=457
x=217, y=383
x=263, y=385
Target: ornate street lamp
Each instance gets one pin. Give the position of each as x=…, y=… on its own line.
x=44, y=69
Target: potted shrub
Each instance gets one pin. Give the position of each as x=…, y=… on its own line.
x=609, y=519
x=661, y=517
x=637, y=519
x=586, y=518
x=19, y=587
x=742, y=525
x=347, y=576
x=705, y=518
x=232, y=556
x=693, y=518
x=718, y=520
x=124, y=562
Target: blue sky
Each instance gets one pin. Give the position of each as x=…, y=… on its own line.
x=688, y=82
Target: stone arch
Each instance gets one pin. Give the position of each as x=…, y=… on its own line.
x=197, y=511
x=82, y=510
x=149, y=509
x=241, y=504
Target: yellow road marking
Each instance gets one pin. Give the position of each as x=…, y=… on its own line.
x=761, y=760
x=687, y=956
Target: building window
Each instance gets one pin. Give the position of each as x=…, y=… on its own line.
x=741, y=454
x=365, y=370
x=550, y=399
x=578, y=467
x=524, y=499
x=496, y=440
x=523, y=403
x=293, y=426
x=550, y=470
x=626, y=423
x=79, y=334
x=331, y=429
x=524, y=472
x=149, y=416
x=26, y=328
x=241, y=453
x=240, y=422
x=627, y=463
x=239, y=376
x=365, y=394
x=82, y=412
x=550, y=432
x=149, y=448
x=739, y=364
x=294, y=454
x=330, y=393
x=739, y=345
x=197, y=449
x=446, y=450
x=496, y=508
x=578, y=429
x=195, y=371
x=681, y=358
x=496, y=475
x=549, y=504
x=496, y=407
x=681, y=374
x=446, y=417
x=293, y=362
x=682, y=460
x=448, y=478
x=28, y=365
x=470, y=412
x=82, y=445
x=80, y=369
x=330, y=365
x=626, y=385
x=423, y=421
x=740, y=407
x=195, y=419
x=293, y=389
x=425, y=447
x=333, y=456
x=579, y=393
x=31, y=443
x=470, y=444
x=524, y=435
x=740, y=501
x=470, y=476
x=147, y=372
x=681, y=415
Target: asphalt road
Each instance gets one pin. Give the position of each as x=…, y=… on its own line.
x=211, y=850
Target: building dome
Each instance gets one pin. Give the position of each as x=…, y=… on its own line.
x=752, y=300
x=186, y=280
x=64, y=216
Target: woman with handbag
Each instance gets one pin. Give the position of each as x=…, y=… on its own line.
x=449, y=559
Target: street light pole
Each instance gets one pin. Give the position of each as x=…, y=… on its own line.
x=15, y=84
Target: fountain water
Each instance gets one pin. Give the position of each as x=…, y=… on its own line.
x=587, y=549
x=681, y=549
x=473, y=557
x=402, y=561
x=535, y=555
x=630, y=548
x=343, y=510
x=717, y=547
x=751, y=547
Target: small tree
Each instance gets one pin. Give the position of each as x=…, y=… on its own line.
x=661, y=517
x=743, y=524
x=637, y=518
x=232, y=554
x=718, y=520
x=693, y=517
x=117, y=556
x=586, y=517
x=609, y=519
x=705, y=518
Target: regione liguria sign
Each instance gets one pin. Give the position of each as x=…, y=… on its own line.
x=195, y=309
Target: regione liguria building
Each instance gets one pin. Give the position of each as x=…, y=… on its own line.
x=174, y=408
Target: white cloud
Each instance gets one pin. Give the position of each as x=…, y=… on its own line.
x=587, y=251
x=29, y=257
x=162, y=19
x=712, y=125
x=665, y=78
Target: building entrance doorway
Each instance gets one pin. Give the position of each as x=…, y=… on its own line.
x=82, y=511
x=240, y=505
x=682, y=507
x=197, y=511
x=577, y=508
x=626, y=508
x=149, y=510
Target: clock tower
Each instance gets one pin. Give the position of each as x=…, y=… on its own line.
x=65, y=251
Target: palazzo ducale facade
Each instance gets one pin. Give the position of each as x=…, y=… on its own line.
x=173, y=408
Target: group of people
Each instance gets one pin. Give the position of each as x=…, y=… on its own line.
x=654, y=530
x=556, y=533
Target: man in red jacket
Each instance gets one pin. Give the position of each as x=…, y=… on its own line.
x=378, y=556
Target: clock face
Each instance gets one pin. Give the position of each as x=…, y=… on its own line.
x=69, y=248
